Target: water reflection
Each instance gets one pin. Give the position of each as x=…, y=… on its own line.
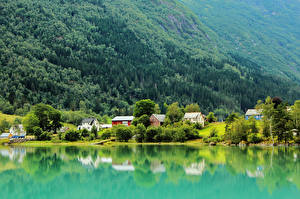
x=126, y=170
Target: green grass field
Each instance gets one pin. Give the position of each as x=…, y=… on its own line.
x=219, y=126
x=9, y=118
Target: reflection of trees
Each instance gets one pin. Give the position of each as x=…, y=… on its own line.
x=273, y=168
x=43, y=164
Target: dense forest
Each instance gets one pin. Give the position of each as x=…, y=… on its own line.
x=266, y=31
x=109, y=54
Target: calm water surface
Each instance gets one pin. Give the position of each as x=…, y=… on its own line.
x=149, y=172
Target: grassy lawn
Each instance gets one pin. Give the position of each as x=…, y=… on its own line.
x=219, y=126
x=9, y=118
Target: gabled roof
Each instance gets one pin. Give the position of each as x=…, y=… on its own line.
x=123, y=118
x=88, y=120
x=192, y=115
x=251, y=112
x=160, y=117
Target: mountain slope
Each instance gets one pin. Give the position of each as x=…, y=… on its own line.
x=109, y=54
x=265, y=31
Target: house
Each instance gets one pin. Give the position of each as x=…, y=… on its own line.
x=17, y=131
x=157, y=120
x=257, y=114
x=6, y=135
x=125, y=120
x=106, y=126
x=196, y=117
x=88, y=124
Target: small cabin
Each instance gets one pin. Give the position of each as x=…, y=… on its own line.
x=257, y=114
x=88, y=124
x=196, y=117
x=123, y=120
x=157, y=120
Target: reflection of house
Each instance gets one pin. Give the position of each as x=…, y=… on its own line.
x=157, y=167
x=14, y=153
x=88, y=124
x=194, y=118
x=257, y=114
x=89, y=162
x=195, y=168
x=258, y=173
x=125, y=166
x=157, y=120
x=125, y=120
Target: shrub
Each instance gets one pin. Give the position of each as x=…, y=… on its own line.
x=106, y=134
x=72, y=135
x=197, y=126
x=253, y=138
x=94, y=132
x=151, y=134
x=123, y=133
x=214, y=139
x=179, y=135
x=213, y=133
x=40, y=135
x=140, y=133
x=84, y=133
x=167, y=134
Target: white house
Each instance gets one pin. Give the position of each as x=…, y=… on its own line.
x=17, y=131
x=196, y=117
x=88, y=124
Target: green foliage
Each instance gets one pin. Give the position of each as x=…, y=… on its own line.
x=144, y=107
x=211, y=117
x=106, y=134
x=213, y=133
x=254, y=138
x=48, y=118
x=238, y=131
x=153, y=134
x=272, y=43
x=65, y=54
x=122, y=133
x=30, y=121
x=174, y=113
x=94, y=132
x=140, y=133
x=71, y=135
x=4, y=126
x=41, y=135
x=144, y=119
x=192, y=108
x=84, y=133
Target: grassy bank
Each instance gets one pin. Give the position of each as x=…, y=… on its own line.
x=219, y=126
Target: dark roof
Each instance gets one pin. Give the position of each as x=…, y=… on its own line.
x=123, y=118
x=160, y=118
x=88, y=120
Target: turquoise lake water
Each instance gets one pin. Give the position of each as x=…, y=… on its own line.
x=149, y=172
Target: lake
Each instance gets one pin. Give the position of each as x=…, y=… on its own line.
x=149, y=172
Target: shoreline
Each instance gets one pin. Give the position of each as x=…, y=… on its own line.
x=103, y=143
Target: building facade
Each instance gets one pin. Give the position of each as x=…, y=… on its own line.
x=122, y=120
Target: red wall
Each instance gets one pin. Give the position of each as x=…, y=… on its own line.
x=120, y=122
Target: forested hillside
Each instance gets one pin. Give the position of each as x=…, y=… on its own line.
x=110, y=54
x=265, y=31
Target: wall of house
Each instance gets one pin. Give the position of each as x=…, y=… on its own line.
x=154, y=121
x=127, y=123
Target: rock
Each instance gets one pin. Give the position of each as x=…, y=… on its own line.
x=212, y=144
